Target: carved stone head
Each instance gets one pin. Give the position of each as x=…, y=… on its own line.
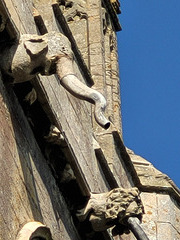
x=112, y=208
x=34, y=54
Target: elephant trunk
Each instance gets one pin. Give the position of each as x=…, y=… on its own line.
x=73, y=85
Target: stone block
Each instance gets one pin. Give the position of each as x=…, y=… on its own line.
x=94, y=30
x=106, y=140
x=98, y=83
x=96, y=59
x=97, y=69
x=166, y=211
x=109, y=101
x=116, y=97
x=93, y=10
x=96, y=49
x=95, y=3
x=177, y=217
x=150, y=216
x=165, y=231
x=150, y=205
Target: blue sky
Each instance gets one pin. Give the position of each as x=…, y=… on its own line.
x=149, y=59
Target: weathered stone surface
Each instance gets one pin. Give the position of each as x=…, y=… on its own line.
x=166, y=209
x=44, y=9
x=34, y=230
x=161, y=210
x=28, y=190
x=18, y=11
x=150, y=177
x=149, y=220
x=32, y=191
x=77, y=133
x=177, y=217
x=166, y=231
x=114, y=207
x=75, y=13
x=34, y=54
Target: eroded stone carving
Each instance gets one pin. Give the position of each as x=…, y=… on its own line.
x=34, y=54
x=49, y=54
x=31, y=97
x=110, y=209
x=55, y=136
x=33, y=231
x=73, y=9
x=67, y=174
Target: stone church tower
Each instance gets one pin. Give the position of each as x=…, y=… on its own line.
x=65, y=172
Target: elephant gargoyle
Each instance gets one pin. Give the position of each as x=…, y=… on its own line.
x=48, y=54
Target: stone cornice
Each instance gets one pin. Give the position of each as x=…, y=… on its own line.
x=145, y=176
x=152, y=179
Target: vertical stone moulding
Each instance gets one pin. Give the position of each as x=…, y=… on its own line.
x=34, y=231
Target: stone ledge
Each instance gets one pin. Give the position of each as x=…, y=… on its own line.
x=145, y=176
x=152, y=179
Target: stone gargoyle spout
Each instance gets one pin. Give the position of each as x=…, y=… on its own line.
x=49, y=54
x=112, y=209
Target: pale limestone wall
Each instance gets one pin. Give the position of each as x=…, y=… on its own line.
x=162, y=216
x=161, y=198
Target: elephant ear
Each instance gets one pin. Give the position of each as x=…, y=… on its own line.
x=36, y=45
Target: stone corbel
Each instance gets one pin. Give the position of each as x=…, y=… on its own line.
x=49, y=54
x=33, y=231
x=112, y=209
